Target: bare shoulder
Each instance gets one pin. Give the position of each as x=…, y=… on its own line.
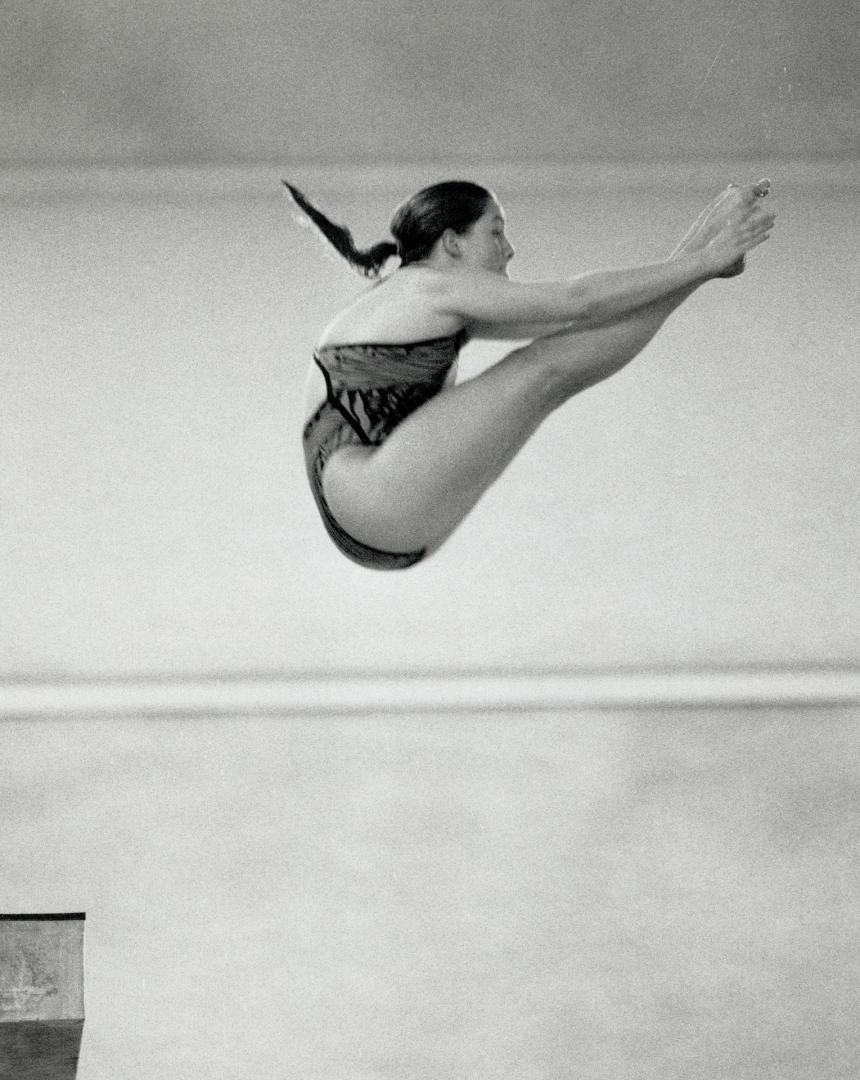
x=402, y=307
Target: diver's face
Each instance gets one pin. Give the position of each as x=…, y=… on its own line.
x=485, y=246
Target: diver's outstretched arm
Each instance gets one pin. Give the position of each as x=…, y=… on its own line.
x=415, y=489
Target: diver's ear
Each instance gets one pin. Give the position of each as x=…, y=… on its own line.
x=451, y=243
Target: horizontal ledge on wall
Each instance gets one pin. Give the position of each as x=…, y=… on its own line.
x=355, y=694
x=223, y=180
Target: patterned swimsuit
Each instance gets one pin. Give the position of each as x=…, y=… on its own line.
x=370, y=389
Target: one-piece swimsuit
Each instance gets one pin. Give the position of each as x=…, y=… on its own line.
x=370, y=389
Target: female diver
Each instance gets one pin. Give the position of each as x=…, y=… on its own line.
x=397, y=453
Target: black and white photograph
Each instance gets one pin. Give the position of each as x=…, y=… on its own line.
x=429, y=549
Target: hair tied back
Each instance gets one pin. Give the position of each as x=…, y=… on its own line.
x=368, y=262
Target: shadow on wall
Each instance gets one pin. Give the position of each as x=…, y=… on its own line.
x=155, y=83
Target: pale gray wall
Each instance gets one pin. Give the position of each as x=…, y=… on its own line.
x=698, y=509
x=156, y=519
x=415, y=898
x=596, y=896
x=391, y=80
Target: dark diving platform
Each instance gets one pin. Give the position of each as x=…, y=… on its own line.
x=41, y=995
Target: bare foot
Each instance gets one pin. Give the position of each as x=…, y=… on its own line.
x=760, y=190
x=692, y=240
x=708, y=223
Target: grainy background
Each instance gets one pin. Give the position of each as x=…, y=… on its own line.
x=393, y=80
x=641, y=895
x=696, y=510
x=597, y=895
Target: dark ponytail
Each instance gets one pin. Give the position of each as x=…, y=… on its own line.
x=416, y=226
x=368, y=262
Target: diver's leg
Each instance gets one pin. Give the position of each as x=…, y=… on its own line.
x=414, y=489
